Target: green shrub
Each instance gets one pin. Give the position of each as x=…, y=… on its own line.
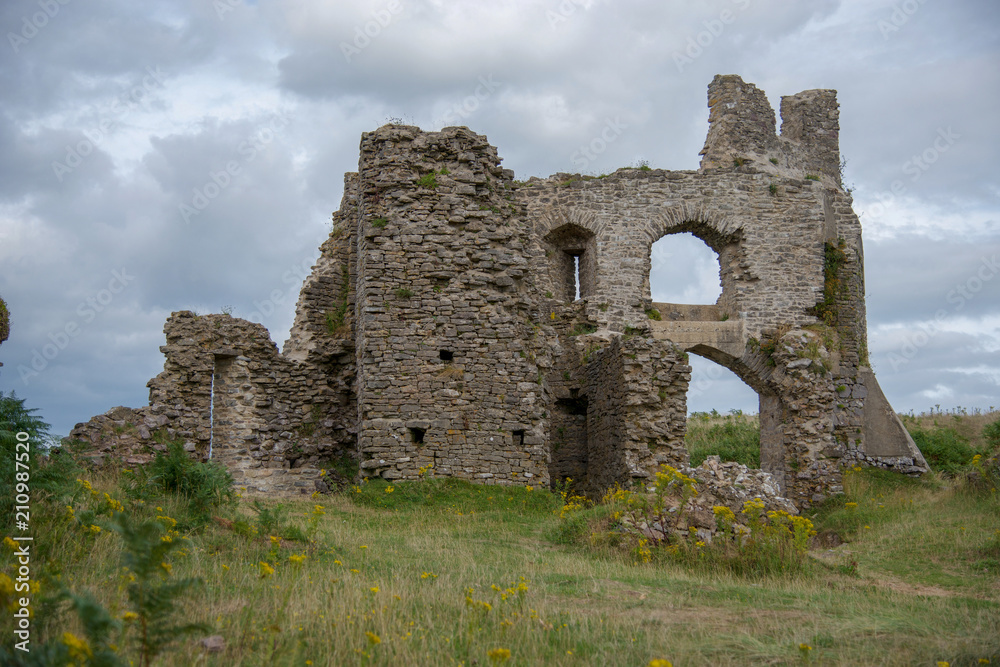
x=4, y=321
x=97, y=650
x=751, y=543
x=583, y=330
x=991, y=435
x=945, y=450
x=48, y=472
x=205, y=486
x=152, y=594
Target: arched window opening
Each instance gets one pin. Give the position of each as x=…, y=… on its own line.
x=684, y=270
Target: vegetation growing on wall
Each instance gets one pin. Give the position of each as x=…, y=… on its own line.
x=335, y=319
x=834, y=259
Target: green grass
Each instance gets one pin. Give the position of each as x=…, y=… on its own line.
x=734, y=437
x=415, y=565
x=920, y=593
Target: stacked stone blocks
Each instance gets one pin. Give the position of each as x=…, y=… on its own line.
x=461, y=323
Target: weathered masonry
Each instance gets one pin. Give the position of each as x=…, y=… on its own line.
x=459, y=322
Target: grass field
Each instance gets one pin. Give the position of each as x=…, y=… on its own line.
x=441, y=572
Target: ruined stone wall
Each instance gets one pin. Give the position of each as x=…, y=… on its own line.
x=271, y=419
x=440, y=330
x=447, y=373
x=636, y=418
x=770, y=244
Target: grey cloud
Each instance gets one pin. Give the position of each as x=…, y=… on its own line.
x=560, y=84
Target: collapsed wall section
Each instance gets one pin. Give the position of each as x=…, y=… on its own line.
x=447, y=312
x=227, y=394
x=636, y=411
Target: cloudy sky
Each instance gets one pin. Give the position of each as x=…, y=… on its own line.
x=186, y=154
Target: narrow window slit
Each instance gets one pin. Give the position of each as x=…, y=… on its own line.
x=576, y=277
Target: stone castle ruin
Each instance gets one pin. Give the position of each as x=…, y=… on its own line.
x=440, y=332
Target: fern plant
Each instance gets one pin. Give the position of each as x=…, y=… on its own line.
x=152, y=593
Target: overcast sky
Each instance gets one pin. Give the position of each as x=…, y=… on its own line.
x=187, y=154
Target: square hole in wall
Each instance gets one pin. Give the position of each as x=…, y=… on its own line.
x=446, y=355
x=417, y=435
x=518, y=438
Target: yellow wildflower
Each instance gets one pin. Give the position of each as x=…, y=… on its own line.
x=10, y=543
x=373, y=638
x=724, y=513
x=130, y=616
x=659, y=662
x=78, y=648
x=502, y=654
x=297, y=558
x=265, y=570
x=167, y=567
x=6, y=585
